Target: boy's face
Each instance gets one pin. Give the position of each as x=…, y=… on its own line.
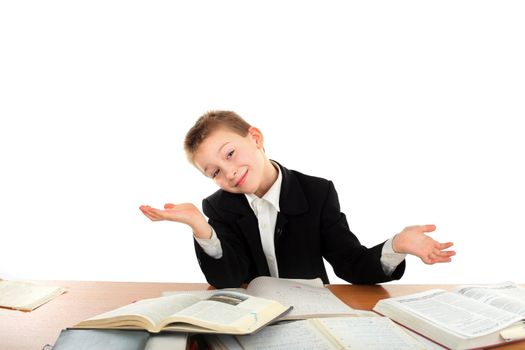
x=235, y=163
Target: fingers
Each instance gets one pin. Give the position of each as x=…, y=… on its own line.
x=181, y=206
x=433, y=259
x=420, y=228
x=442, y=246
x=443, y=254
x=427, y=260
x=439, y=249
x=429, y=228
x=151, y=213
x=438, y=256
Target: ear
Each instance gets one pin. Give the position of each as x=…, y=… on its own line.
x=257, y=136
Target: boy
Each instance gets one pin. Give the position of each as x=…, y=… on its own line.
x=267, y=220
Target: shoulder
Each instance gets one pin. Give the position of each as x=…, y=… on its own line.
x=302, y=193
x=310, y=179
x=216, y=197
x=222, y=201
x=305, y=180
x=211, y=205
x=312, y=187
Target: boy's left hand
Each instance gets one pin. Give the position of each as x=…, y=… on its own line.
x=413, y=240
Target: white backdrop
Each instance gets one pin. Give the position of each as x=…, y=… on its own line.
x=412, y=108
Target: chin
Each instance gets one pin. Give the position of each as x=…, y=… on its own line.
x=251, y=190
x=243, y=191
x=235, y=190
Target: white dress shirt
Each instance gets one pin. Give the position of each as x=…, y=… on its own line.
x=266, y=209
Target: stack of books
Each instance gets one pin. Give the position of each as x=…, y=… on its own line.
x=289, y=314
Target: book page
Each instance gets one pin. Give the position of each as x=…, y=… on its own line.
x=154, y=310
x=313, y=282
x=26, y=296
x=229, y=312
x=284, y=336
x=222, y=307
x=457, y=313
x=428, y=344
x=225, y=312
x=507, y=296
x=309, y=299
x=370, y=333
x=203, y=294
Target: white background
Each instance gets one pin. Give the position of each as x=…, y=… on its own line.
x=412, y=108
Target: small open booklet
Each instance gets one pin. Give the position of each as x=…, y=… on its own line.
x=468, y=317
x=309, y=298
x=26, y=296
x=359, y=333
x=111, y=339
x=226, y=312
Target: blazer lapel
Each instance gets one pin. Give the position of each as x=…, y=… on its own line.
x=249, y=227
x=292, y=201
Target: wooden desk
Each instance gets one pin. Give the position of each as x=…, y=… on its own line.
x=32, y=330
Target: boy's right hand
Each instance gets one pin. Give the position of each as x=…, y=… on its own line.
x=185, y=213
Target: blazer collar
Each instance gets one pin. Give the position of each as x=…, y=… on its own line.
x=293, y=200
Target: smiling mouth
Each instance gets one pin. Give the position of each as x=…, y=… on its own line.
x=241, y=180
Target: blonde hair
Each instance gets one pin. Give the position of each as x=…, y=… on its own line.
x=210, y=122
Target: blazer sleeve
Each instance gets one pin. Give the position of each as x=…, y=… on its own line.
x=350, y=260
x=233, y=268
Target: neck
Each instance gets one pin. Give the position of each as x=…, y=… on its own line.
x=270, y=175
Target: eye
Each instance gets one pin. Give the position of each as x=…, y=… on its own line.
x=214, y=174
x=230, y=154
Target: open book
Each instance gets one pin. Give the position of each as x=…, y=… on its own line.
x=469, y=317
x=309, y=298
x=224, y=312
x=26, y=296
x=360, y=333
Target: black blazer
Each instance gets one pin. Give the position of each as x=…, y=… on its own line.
x=309, y=226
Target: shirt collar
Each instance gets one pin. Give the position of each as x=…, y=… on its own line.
x=272, y=196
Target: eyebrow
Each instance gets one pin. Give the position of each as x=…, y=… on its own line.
x=218, y=151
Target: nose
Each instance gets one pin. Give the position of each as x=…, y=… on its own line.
x=232, y=173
